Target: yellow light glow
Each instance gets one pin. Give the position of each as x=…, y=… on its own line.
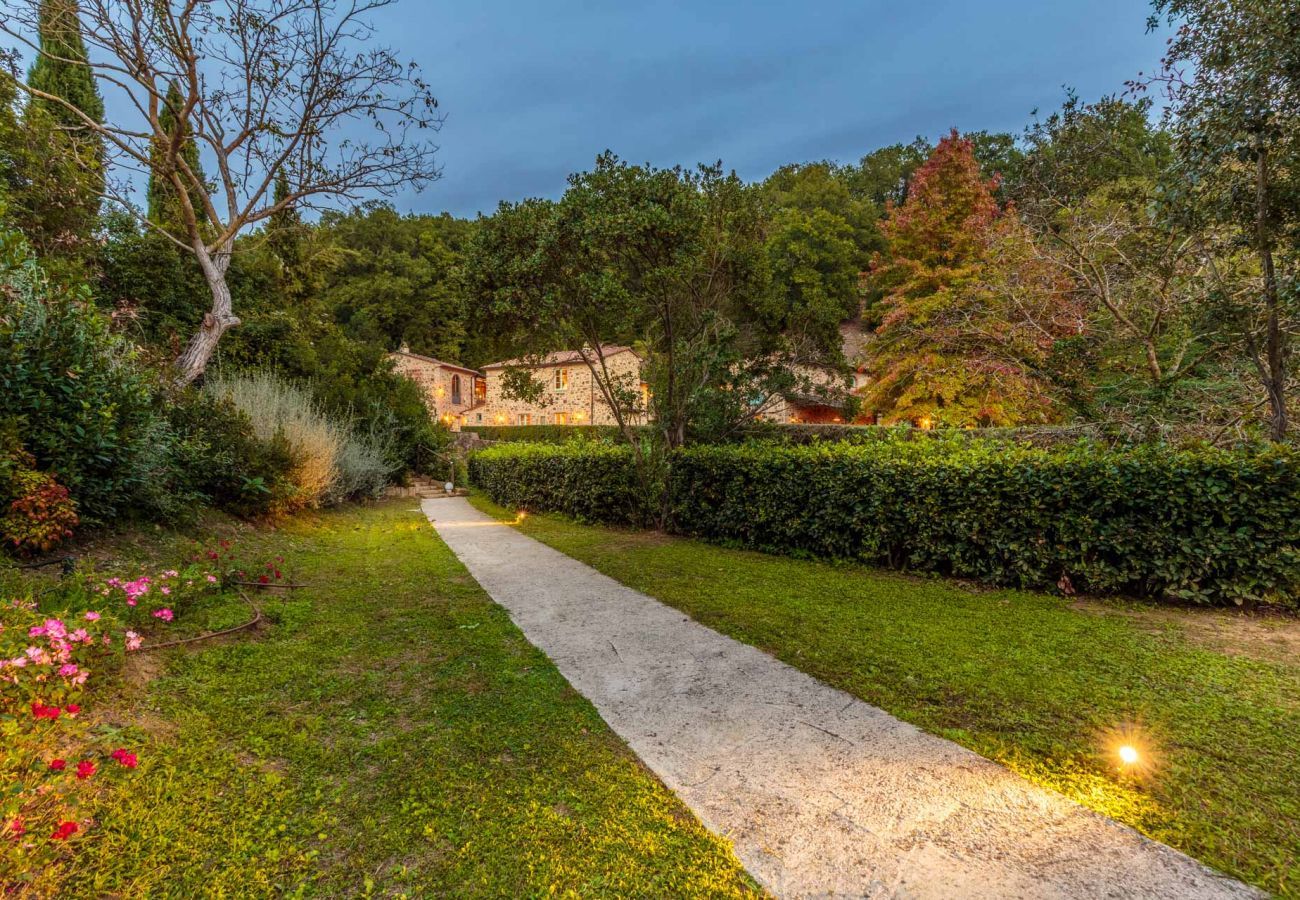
x=925, y=424
x=1129, y=755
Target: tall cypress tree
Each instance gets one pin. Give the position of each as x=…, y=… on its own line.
x=164, y=205
x=62, y=199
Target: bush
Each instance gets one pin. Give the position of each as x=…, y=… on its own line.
x=84, y=407
x=1194, y=524
x=218, y=459
x=330, y=462
x=592, y=482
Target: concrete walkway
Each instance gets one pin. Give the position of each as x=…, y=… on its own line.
x=821, y=794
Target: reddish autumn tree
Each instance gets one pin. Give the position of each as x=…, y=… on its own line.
x=956, y=345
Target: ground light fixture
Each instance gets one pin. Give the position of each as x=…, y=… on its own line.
x=1130, y=750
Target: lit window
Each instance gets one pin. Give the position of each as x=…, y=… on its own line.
x=561, y=379
x=561, y=418
x=525, y=418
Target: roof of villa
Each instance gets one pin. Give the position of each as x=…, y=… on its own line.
x=559, y=358
x=436, y=362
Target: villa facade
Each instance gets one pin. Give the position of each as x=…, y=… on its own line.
x=569, y=395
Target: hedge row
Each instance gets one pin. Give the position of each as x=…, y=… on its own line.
x=542, y=434
x=1203, y=525
x=592, y=482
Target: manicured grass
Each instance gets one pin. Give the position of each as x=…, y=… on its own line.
x=392, y=733
x=1028, y=679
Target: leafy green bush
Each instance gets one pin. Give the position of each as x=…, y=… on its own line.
x=84, y=406
x=589, y=481
x=219, y=459
x=542, y=434
x=1196, y=524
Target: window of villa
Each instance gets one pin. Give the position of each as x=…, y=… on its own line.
x=561, y=379
x=561, y=418
x=525, y=418
x=478, y=417
x=455, y=389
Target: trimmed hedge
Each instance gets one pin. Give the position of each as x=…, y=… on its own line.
x=1203, y=525
x=542, y=434
x=592, y=482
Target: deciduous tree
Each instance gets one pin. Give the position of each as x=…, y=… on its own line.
x=956, y=346
x=1232, y=74
x=266, y=87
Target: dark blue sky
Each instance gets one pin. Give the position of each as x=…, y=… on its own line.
x=534, y=90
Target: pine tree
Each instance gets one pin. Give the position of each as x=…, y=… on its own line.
x=61, y=206
x=164, y=206
x=950, y=350
x=284, y=228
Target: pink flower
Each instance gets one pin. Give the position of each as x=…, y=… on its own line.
x=165, y=590
x=92, y=616
x=133, y=641
x=72, y=709
x=36, y=631
x=68, y=670
x=58, y=765
x=17, y=829
x=212, y=579
x=85, y=769
x=165, y=614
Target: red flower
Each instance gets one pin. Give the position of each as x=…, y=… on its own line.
x=72, y=709
x=127, y=759
x=85, y=769
x=58, y=765
x=41, y=711
x=262, y=579
x=64, y=831
x=17, y=829
x=278, y=576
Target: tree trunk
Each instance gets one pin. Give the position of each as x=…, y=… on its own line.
x=1273, y=371
x=191, y=364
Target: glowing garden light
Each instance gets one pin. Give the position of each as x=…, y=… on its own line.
x=1128, y=755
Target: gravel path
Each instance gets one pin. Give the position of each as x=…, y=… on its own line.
x=821, y=794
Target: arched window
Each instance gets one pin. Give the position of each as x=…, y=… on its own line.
x=455, y=390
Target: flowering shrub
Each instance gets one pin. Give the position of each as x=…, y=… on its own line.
x=161, y=594
x=36, y=512
x=42, y=517
x=47, y=758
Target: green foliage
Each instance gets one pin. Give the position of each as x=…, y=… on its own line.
x=84, y=407
x=543, y=434
x=1197, y=525
x=589, y=481
x=65, y=160
x=164, y=204
x=36, y=512
x=1200, y=525
x=219, y=460
x=390, y=279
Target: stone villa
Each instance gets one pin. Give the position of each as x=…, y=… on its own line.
x=459, y=396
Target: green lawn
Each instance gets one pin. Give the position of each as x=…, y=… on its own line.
x=1031, y=680
x=392, y=733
